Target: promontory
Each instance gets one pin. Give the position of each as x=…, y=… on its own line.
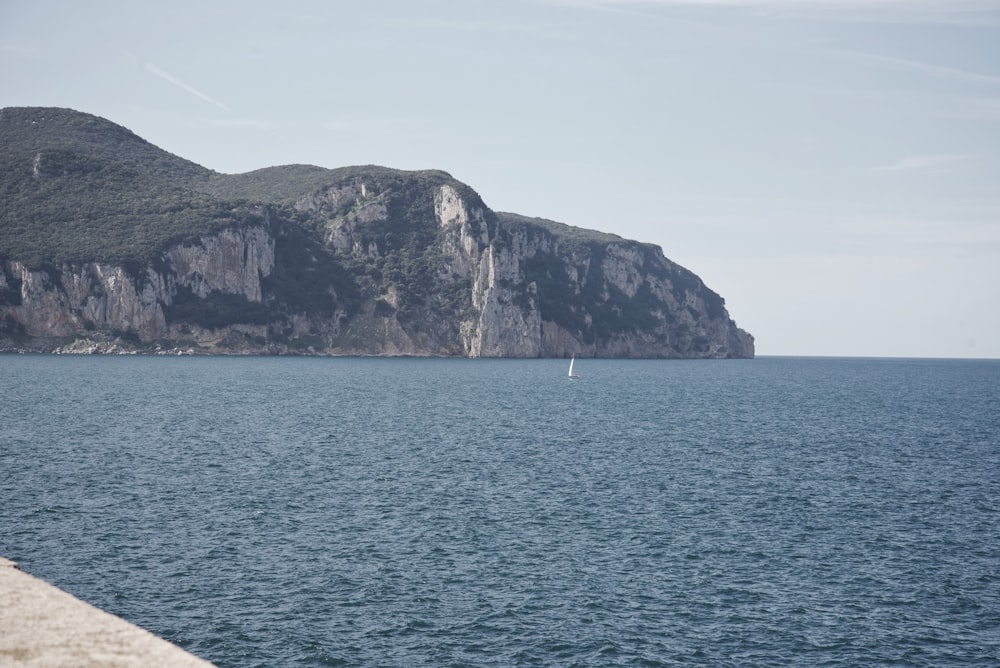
x=110, y=244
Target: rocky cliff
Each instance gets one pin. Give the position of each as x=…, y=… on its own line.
x=298, y=259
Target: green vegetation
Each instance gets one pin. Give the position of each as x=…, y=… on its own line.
x=78, y=188
x=11, y=328
x=216, y=310
x=10, y=289
x=279, y=185
x=571, y=239
x=28, y=131
x=306, y=277
x=558, y=301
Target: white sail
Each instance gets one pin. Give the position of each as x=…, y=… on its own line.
x=572, y=359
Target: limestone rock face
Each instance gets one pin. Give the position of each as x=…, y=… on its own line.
x=509, y=322
x=76, y=300
x=232, y=261
x=465, y=234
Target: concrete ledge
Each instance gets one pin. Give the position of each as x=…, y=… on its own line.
x=42, y=626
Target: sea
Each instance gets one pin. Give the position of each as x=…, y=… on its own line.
x=300, y=511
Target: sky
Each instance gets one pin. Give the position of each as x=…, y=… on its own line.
x=830, y=167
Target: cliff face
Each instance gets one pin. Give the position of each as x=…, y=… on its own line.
x=362, y=261
x=608, y=299
x=105, y=302
x=520, y=293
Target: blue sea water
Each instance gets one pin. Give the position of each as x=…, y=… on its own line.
x=431, y=512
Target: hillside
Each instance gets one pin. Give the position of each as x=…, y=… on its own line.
x=110, y=243
x=76, y=187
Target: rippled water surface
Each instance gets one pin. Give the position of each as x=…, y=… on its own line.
x=378, y=512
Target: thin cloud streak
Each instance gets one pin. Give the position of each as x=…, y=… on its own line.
x=232, y=123
x=926, y=68
x=169, y=78
x=18, y=50
x=922, y=162
x=457, y=25
x=962, y=12
x=940, y=6
x=982, y=109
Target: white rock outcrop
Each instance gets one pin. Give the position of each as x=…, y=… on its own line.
x=509, y=323
x=232, y=261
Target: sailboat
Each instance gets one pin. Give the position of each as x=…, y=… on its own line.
x=571, y=374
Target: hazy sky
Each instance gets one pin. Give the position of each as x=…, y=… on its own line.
x=830, y=167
